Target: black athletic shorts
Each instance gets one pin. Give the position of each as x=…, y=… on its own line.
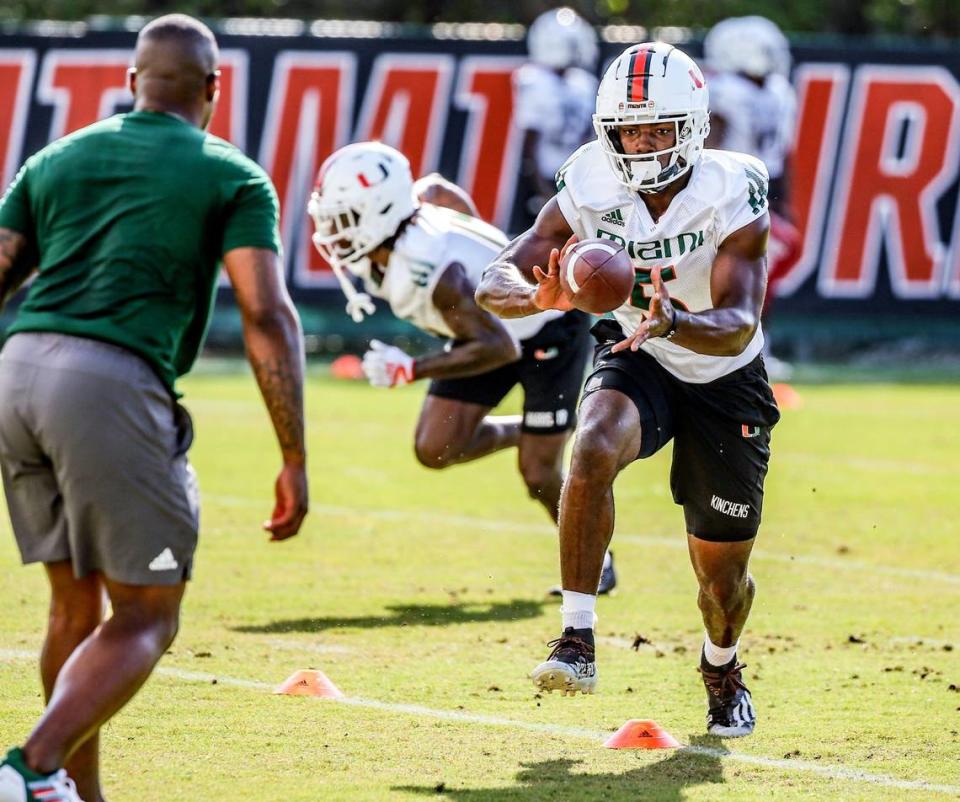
x=720, y=432
x=550, y=371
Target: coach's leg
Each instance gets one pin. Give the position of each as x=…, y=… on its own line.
x=608, y=439
x=726, y=586
x=450, y=432
x=541, y=466
x=76, y=610
x=104, y=673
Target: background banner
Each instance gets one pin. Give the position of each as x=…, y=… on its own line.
x=875, y=166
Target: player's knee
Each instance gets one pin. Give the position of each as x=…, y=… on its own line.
x=157, y=620
x=163, y=627
x=432, y=454
x=540, y=477
x=595, y=453
x=74, y=622
x=728, y=591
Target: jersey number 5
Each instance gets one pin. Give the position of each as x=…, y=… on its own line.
x=644, y=283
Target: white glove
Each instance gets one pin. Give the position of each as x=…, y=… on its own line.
x=358, y=304
x=387, y=366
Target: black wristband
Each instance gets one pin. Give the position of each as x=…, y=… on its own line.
x=674, y=324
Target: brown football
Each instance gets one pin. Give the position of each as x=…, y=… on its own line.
x=597, y=275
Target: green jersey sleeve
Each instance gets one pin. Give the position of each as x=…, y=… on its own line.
x=15, y=211
x=253, y=213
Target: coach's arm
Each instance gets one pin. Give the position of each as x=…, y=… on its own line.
x=274, y=343
x=17, y=262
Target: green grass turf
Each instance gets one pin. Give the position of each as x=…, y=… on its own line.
x=420, y=588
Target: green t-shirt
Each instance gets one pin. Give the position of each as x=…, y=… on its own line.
x=129, y=218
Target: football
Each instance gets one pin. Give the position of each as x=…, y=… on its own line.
x=597, y=275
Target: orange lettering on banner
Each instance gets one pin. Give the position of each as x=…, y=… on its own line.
x=16, y=76
x=821, y=91
x=83, y=86
x=491, y=151
x=307, y=115
x=406, y=104
x=899, y=157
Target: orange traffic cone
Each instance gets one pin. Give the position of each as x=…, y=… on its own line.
x=309, y=683
x=347, y=366
x=786, y=396
x=641, y=734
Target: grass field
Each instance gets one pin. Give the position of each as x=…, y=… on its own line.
x=421, y=595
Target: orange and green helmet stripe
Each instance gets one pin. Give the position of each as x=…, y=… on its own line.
x=638, y=76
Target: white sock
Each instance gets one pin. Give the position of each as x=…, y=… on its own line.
x=578, y=610
x=607, y=559
x=718, y=655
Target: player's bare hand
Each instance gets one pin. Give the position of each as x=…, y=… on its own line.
x=290, y=492
x=549, y=293
x=659, y=320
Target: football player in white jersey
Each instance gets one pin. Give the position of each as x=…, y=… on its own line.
x=753, y=110
x=553, y=99
x=421, y=248
x=679, y=361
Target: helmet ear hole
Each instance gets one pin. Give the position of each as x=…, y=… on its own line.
x=386, y=208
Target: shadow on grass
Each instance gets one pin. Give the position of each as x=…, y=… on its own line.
x=555, y=781
x=403, y=615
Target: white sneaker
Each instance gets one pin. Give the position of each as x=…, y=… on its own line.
x=571, y=666
x=19, y=784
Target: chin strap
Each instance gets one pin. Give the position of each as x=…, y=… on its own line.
x=358, y=303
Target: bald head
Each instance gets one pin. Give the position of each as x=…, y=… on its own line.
x=175, y=67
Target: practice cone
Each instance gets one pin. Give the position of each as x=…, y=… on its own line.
x=786, y=396
x=641, y=734
x=309, y=683
x=347, y=366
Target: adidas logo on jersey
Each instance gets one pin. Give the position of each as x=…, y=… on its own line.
x=615, y=217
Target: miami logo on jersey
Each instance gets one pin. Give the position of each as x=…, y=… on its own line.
x=668, y=248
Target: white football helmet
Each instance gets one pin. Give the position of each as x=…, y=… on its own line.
x=363, y=193
x=561, y=38
x=754, y=46
x=648, y=83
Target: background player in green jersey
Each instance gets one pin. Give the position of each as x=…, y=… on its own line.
x=125, y=223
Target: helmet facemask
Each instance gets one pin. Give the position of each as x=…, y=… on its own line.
x=646, y=172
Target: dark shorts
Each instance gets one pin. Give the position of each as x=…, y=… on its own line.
x=720, y=432
x=550, y=371
x=94, y=458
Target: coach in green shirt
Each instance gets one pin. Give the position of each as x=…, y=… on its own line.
x=125, y=223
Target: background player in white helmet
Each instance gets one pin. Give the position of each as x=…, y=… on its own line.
x=424, y=259
x=753, y=110
x=681, y=360
x=553, y=99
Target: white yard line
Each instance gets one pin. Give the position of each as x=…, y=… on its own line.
x=678, y=543
x=831, y=772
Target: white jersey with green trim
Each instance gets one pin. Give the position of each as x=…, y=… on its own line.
x=436, y=239
x=726, y=192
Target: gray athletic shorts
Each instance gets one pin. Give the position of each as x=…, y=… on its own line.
x=94, y=457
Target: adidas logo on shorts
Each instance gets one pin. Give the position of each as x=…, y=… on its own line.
x=164, y=561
